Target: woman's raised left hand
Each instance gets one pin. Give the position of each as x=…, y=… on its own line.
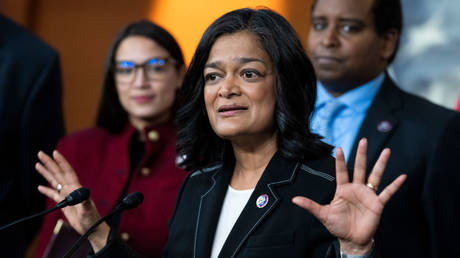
x=63, y=180
x=354, y=214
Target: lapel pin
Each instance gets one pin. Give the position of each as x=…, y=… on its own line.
x=262, y=201
x=384, y=126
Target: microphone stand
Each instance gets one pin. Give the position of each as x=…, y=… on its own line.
x=132, y=200
x=77, y=196
x=89, y=232
x=30, y=217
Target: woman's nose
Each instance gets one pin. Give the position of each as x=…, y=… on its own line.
x=229, y=87
x=140, y=78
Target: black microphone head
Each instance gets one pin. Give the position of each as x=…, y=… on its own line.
x=77, y=196
x=132, y=200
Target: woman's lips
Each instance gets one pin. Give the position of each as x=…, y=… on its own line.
x=142, y=99
x=230, y=110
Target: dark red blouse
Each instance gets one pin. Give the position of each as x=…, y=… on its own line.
x=101, y=161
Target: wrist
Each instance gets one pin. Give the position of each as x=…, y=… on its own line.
x=98, y=238
x=351, y=248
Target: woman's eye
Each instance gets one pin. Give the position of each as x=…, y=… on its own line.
x=155, y=68
x=250, y=74
x=124, y=70
x=210, y=77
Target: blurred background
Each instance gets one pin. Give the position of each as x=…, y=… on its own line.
x=428, y=63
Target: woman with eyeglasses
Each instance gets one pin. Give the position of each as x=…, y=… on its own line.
x=133, y=146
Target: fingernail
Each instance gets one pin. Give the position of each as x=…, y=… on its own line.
x=339, y=154
x=296, y=200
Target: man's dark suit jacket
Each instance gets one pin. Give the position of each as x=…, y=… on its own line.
x=30, y=120
x=280, y=229
x=422, y=218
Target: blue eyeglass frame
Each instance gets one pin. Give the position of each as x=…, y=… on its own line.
x=151, y=61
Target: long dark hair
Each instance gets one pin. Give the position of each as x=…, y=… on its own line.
x=295, y=91
x=111, y=114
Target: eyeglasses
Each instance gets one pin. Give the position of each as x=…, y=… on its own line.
x=154, y=69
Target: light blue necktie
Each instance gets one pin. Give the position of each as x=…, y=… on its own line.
x=328, y=116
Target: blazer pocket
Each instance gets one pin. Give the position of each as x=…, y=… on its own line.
x=271, y=240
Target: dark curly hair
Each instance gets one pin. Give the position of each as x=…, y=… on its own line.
x=295, y=92
x=111, y=114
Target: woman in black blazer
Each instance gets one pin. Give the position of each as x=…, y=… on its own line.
x=242, y=129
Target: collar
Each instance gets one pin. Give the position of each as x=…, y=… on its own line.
x=163, y=131
x=279, y=171
x=358, y=99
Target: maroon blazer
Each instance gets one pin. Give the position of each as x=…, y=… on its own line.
x=101, y=161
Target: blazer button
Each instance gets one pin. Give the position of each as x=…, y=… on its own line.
x=145, y=171
x=153, y=136
x=124, y=236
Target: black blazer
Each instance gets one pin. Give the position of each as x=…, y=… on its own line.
x=422, y=218
x=280, y=229
x=30, y=120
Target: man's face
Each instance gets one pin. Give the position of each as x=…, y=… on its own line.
x=344, y=46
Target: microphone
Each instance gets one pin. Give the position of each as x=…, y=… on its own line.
x=77, y=196
x=131, y=201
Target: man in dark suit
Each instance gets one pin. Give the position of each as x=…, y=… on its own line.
x=30, y=120
x=351, y=43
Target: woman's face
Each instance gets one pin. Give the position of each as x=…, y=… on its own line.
x=239, y=90
x=146, y=80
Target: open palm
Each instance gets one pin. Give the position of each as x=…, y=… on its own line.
x=56, y=171
x=354, y=214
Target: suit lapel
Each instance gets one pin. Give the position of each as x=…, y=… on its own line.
x=379, y=123
x=209, y=211
x=278, y=171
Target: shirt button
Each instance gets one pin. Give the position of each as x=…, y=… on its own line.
x=153, y=136
x=145, y=171
x=124, y=236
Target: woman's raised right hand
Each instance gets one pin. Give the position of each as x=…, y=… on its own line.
x=57, y=171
